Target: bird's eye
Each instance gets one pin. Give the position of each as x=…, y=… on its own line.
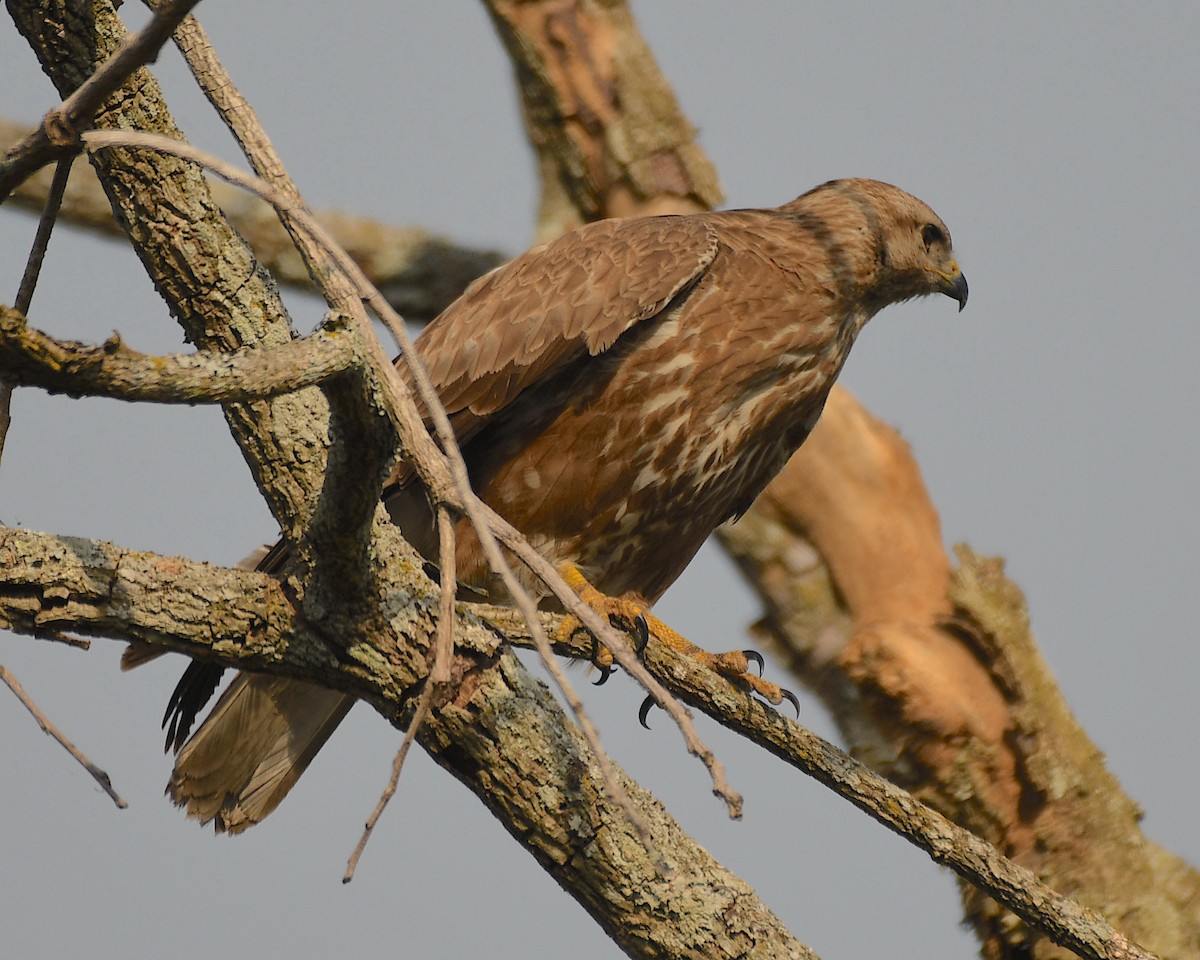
x=932, y=234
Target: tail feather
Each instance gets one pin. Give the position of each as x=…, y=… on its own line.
x=252, y=748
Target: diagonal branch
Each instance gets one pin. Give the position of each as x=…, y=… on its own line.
x=99, y=589
x=58, y=131
x=1066, y=922
x=50, y=729
x=419, y=273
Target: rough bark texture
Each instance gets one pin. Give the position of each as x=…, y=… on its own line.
x=499, y=731
x=536, y=775
x=610, y=138
x=203, y=269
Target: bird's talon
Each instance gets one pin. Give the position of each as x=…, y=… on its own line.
x=605, y=673
x=753, y=656
x=791, y=698
x=644, y=711
x=641, y=629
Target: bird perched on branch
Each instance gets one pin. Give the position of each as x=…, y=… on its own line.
x=617, y=394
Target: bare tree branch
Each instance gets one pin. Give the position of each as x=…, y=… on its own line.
x=419, y=273
x=41, y=240
x=1081, y=930
x=33, y=269
x=30, y=358
x=97, y=774
x=60, y=127
x=495, y=727
x=40, y=586
x=610, y=138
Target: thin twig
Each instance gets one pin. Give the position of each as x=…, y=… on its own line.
x=98, y=775
x=419, y=272
x=33, y=269
x=423, y=705
x=439, y=676
x=41, y=239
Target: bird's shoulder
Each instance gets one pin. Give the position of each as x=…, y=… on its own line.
x=578, y=293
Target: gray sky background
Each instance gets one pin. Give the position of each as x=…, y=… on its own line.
x=1054, y=421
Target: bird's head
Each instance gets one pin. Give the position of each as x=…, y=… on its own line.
x=910, y=250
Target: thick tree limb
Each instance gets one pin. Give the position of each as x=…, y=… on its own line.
x=610, y=138
x=497, y=729
x=976, y=861
x=505, y=742
x=30, y=358
x=60, y=583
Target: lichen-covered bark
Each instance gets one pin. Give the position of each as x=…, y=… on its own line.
x=204, y=270
x=497, y=730
x=510, y=746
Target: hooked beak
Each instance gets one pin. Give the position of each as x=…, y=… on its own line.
x=953, y=283
x=956, y=287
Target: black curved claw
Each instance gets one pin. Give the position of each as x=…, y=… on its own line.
x=644, y=711
x=791, y=698
x=605, y=673
x=753, y=656
x=642, y=630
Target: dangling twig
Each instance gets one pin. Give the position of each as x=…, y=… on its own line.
x=439, y=675
x=98, y=775
x=33, y=269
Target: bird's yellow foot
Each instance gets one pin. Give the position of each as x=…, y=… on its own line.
x=633, y=615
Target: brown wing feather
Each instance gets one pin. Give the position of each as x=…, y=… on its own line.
x=522, y=322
